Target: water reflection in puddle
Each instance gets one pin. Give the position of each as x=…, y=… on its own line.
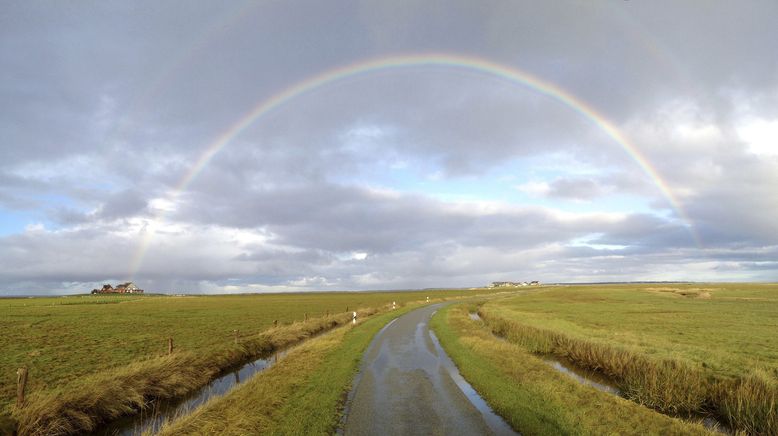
x=494, y=421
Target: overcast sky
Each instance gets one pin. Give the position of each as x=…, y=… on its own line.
x=419, y=175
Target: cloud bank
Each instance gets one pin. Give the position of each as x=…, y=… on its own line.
x=404, y=178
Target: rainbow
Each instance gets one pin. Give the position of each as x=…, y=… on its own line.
x=472, y=64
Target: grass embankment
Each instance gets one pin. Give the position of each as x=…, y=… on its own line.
x=62, y=339
x=82, y=405
x=679, y=349
x=302, y=395
x=532, y=397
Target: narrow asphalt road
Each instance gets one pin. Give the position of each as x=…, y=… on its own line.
x=408, y=385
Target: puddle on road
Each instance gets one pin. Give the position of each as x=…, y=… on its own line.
x=154, y=416
x=494, y=421
x=355, y=382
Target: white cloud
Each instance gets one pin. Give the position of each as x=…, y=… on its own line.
x=535, y=188
x=760, y=136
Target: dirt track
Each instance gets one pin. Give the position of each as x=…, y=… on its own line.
x=408, y=385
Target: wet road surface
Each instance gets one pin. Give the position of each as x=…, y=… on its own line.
x=408, y=385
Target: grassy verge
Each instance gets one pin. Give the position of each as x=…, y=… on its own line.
x=534, y=398
x=303, y=394
x=81, y=406
x=666, y=385
x=645, y=361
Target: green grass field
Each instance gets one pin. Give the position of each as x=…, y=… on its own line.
x=730, y=329
x=65, y=339
x=680, y=349
x=676, y=349
x=531, y=396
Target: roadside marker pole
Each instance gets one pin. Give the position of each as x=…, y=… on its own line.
x=21, y=384
x=236, y=337
x=169, y=345
x=393, y=305
x=354, y=318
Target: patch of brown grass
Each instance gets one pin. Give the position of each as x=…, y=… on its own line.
x=704, y=293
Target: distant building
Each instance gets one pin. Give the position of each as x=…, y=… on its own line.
x=124, y=288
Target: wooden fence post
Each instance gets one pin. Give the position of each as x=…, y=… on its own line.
x=21, y=384
x=305, y=317
x=236, y=337
x=275, y=323
x=169, y=345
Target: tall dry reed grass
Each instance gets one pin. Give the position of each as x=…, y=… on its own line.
x=749, y=403
x=746, y=404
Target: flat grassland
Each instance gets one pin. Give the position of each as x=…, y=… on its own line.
x=681, y=349
x=66, y=339
x=730, y=329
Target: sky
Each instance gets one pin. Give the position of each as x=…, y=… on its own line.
x=268, y=146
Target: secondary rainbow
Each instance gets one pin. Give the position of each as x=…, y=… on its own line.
x=473, y=64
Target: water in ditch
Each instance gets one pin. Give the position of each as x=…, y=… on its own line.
x=151, y=419
x=602, y=383
x=588, y=378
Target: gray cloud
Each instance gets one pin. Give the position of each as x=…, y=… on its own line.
x=108, y=106
x=583, y=189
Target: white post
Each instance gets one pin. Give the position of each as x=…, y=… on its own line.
x=428, y=299
x=393, y=305
x=354, y=318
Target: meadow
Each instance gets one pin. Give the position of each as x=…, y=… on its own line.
x=71, y=343
x=673, y=350
x=680, y=349
x=531, y=396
